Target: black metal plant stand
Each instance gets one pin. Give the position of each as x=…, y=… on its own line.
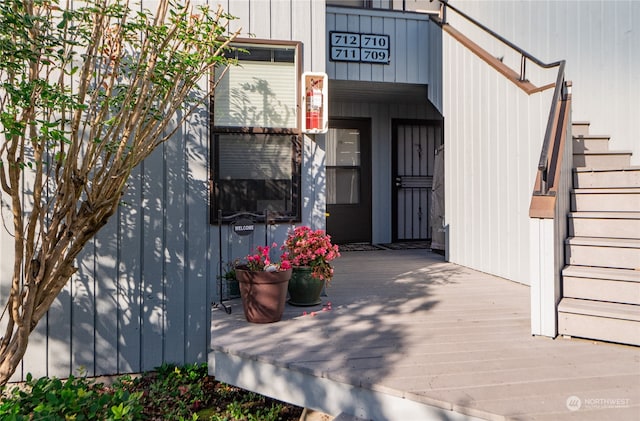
x=240, y=224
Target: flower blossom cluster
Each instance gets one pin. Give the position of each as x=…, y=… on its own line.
x=306, y=247
x=261, y=260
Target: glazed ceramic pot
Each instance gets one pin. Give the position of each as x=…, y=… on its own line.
x=304, y=289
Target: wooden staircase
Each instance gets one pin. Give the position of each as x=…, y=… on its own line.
x=601, y=282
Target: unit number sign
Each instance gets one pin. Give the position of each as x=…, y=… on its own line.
x=362, y=48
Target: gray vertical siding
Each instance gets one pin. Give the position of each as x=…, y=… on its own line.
x=129, y=296
x=143, y=292
x=409, y=37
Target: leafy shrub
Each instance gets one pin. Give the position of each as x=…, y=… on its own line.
x=76, y=398
x=171, y=392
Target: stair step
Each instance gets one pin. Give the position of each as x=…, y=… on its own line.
x=605, y=224
x=625, y=275
x=599, y=320
x=601, y=290
x=606, y=178
x=605, y=215
x=605, y=200
x=600, y=309
x=590, y=143
x=601, y=284
x=605, y=242
x=603, y=252
x=593, y=284
x=610, y=159
x=580, y=128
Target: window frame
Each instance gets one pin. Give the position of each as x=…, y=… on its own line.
x=294, y=133
x=246, y=43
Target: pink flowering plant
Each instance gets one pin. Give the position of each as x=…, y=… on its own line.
x=306, y=247
x=261, y=260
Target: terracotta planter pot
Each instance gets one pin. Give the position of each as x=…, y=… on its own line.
x=304, y=289
x=263, y=294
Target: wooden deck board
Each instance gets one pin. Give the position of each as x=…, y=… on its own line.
x=408, y=325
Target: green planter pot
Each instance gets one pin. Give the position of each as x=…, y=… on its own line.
x=304, y=289
x=233, y=288
x=263, y=294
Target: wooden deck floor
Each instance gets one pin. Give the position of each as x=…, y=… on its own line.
x=411, y=337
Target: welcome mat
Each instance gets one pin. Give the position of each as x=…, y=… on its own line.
x=359, y=247
x=407, y=245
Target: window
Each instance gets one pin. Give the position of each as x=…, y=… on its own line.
x=261, y=91
x=257, y=172
x=363, y=4
x=343, y=166
x=256, y=140
x=406, y=5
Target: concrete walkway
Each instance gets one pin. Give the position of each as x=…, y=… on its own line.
x=408, y=336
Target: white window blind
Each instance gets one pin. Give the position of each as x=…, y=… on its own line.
x=255, y=157
x=257, y=94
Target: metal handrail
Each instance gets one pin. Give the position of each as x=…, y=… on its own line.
x=543, y=170
x=525, y=54
x=559, y=90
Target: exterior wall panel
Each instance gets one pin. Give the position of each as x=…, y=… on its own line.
x=493, y=135
x=199, y=267
x=174, y=250
x=409, y=51
x=238, y=8
x=129, y=298
x=600, y=40
x=57, y=324
x=145, y=286
x=153, y=265
x=105, y=310
x=83, y=316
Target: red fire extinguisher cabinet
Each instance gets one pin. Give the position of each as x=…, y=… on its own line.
x=315, y=103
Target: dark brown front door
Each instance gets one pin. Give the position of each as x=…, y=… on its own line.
x=414, y=145
x=348, y=165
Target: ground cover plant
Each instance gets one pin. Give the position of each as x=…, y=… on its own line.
x=169, y=393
